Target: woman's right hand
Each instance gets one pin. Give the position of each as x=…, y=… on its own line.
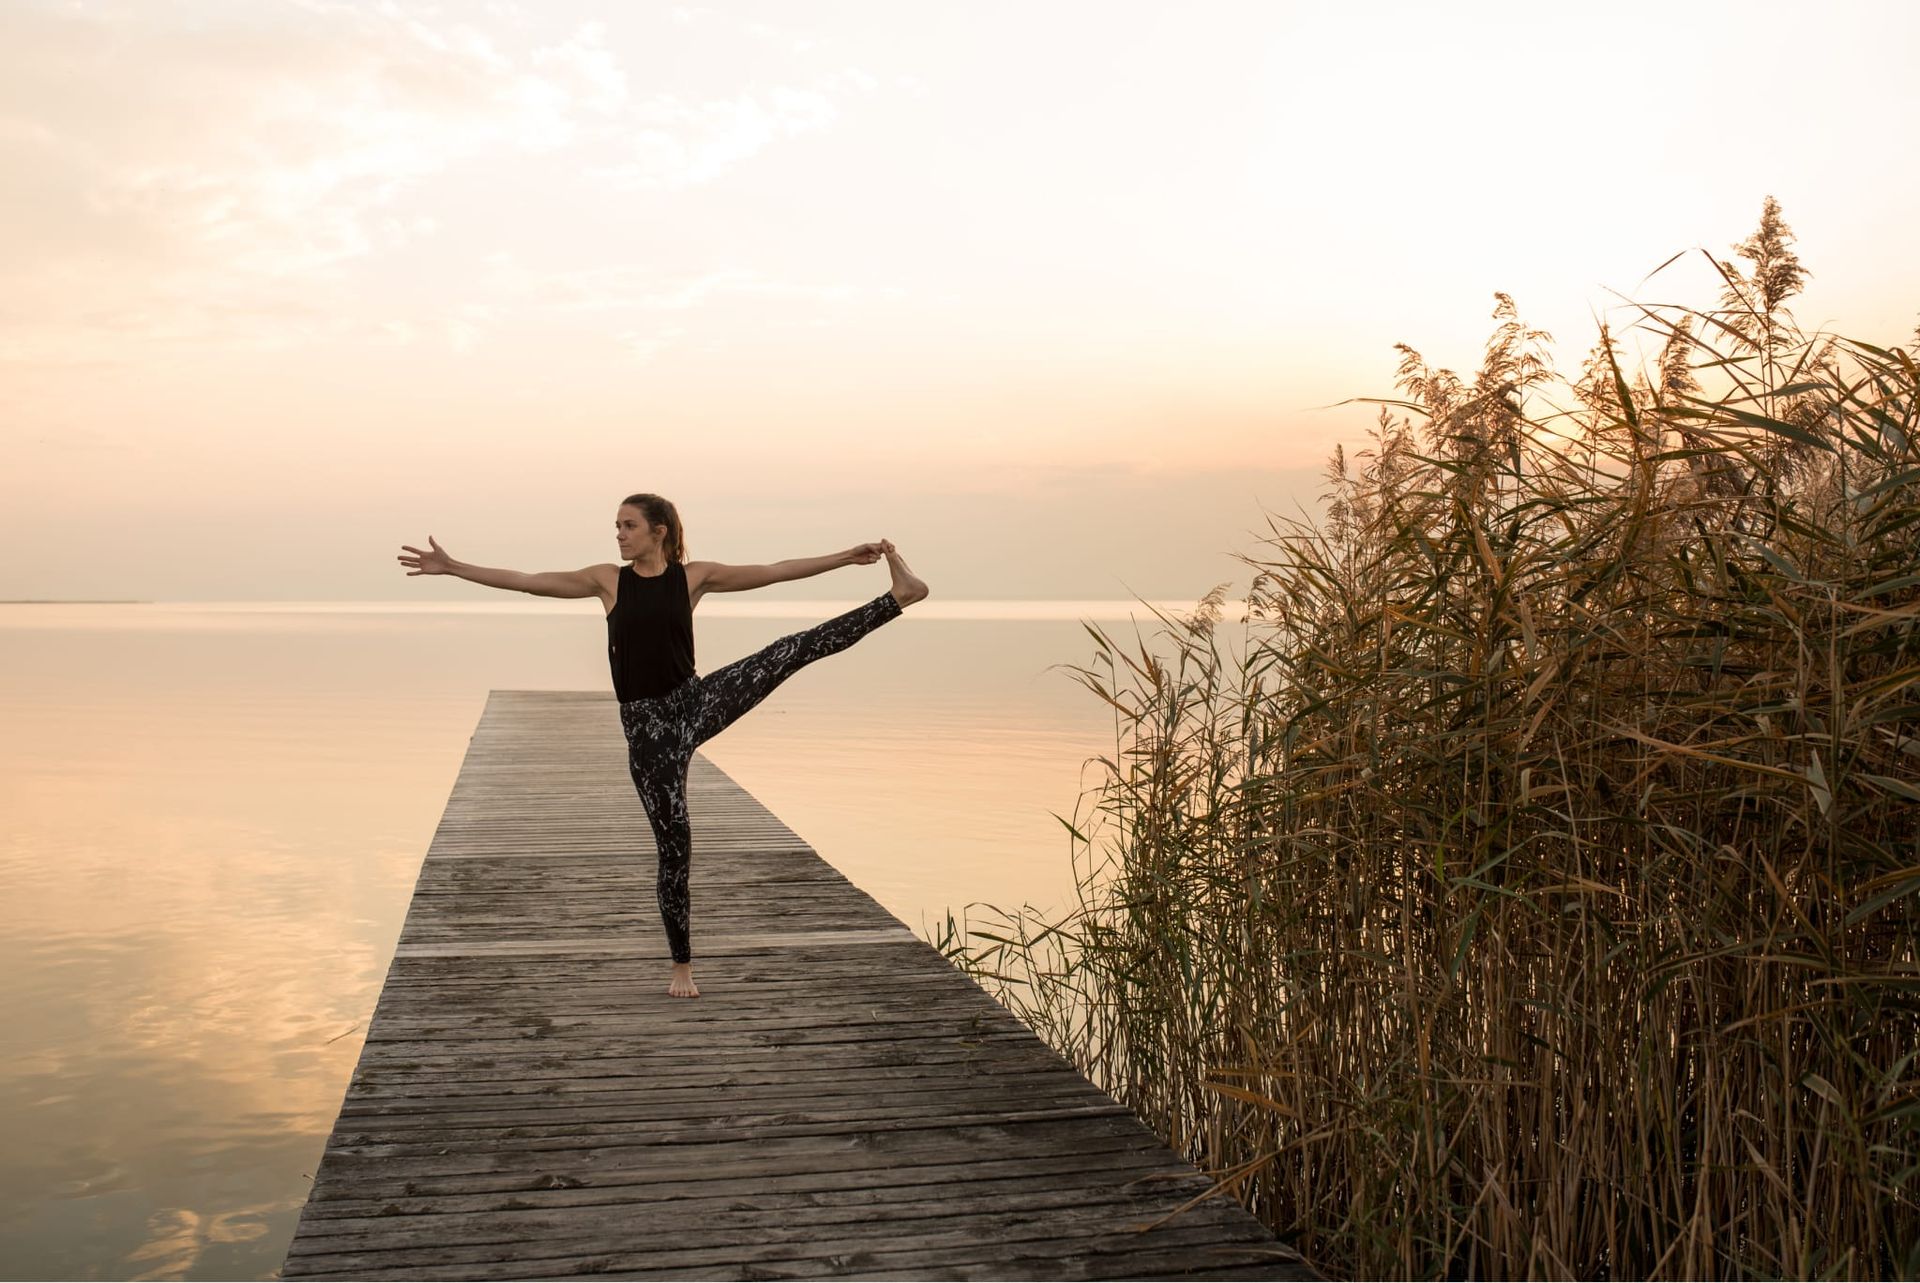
x=433, y=562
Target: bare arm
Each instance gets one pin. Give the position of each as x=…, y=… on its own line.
x=781, y=572
x=720, y=577
x=546, y=583
x=435, y=560
x=489, y=576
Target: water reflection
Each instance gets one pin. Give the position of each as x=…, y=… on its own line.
x=215, y=817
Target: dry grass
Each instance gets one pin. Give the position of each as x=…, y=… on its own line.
x=1538, y=894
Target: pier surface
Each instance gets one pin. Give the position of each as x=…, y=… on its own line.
x=839, y=1101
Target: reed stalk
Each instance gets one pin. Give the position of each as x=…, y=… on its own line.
x=1537, y=892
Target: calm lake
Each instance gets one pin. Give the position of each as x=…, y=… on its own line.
x=215, y=813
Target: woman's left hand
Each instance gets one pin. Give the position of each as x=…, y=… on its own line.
x=866, y=554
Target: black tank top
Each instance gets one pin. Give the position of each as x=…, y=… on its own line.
x=650, y=633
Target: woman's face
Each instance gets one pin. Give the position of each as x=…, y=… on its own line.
x=630, y=529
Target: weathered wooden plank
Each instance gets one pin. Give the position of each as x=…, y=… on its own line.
x=534, y=945
x=521, y=1236
x=517, y=1141
x=985, y=1054
x=831, y=1208
x=540, y=1057
x=455, y=1109
x=879, y=1156
x=777, y=1080
x=587, y=976
x=565, y=1209
x=812, y=1092
x=717, y=1035
x=1110, y=1163
x=1044, y=1235
x=942, y=1012
x=674, y=1232
x=1045, y=1136
x=530, y=1103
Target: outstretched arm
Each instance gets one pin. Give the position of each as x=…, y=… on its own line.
x=724, y=578
x=435, y=560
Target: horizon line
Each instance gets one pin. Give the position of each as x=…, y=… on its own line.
x=1046, y=608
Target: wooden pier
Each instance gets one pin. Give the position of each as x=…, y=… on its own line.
x=839, y=1101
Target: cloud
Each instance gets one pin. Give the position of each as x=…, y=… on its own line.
x=644, y=346
x=679, y=144
x=185, y=166
x=764, y=31
x=516, y=291
x=591, y=69
x=266, y=146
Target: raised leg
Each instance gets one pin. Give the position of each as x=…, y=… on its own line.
x=727, y=692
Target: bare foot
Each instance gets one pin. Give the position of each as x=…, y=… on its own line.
x=682, y=985
x=907, y=586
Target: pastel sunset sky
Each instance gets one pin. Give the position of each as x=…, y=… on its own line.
x=1055, y=295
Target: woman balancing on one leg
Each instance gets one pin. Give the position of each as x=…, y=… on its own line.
x=666, y=708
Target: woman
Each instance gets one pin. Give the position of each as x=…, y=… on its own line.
x=666, y=708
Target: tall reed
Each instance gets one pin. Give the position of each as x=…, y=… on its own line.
x=1538, y=893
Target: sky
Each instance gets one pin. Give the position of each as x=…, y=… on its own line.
x=1060, y=297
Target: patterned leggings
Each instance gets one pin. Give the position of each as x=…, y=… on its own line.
x=663, y=731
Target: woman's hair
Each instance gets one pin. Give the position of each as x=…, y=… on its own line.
x=659, y=512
